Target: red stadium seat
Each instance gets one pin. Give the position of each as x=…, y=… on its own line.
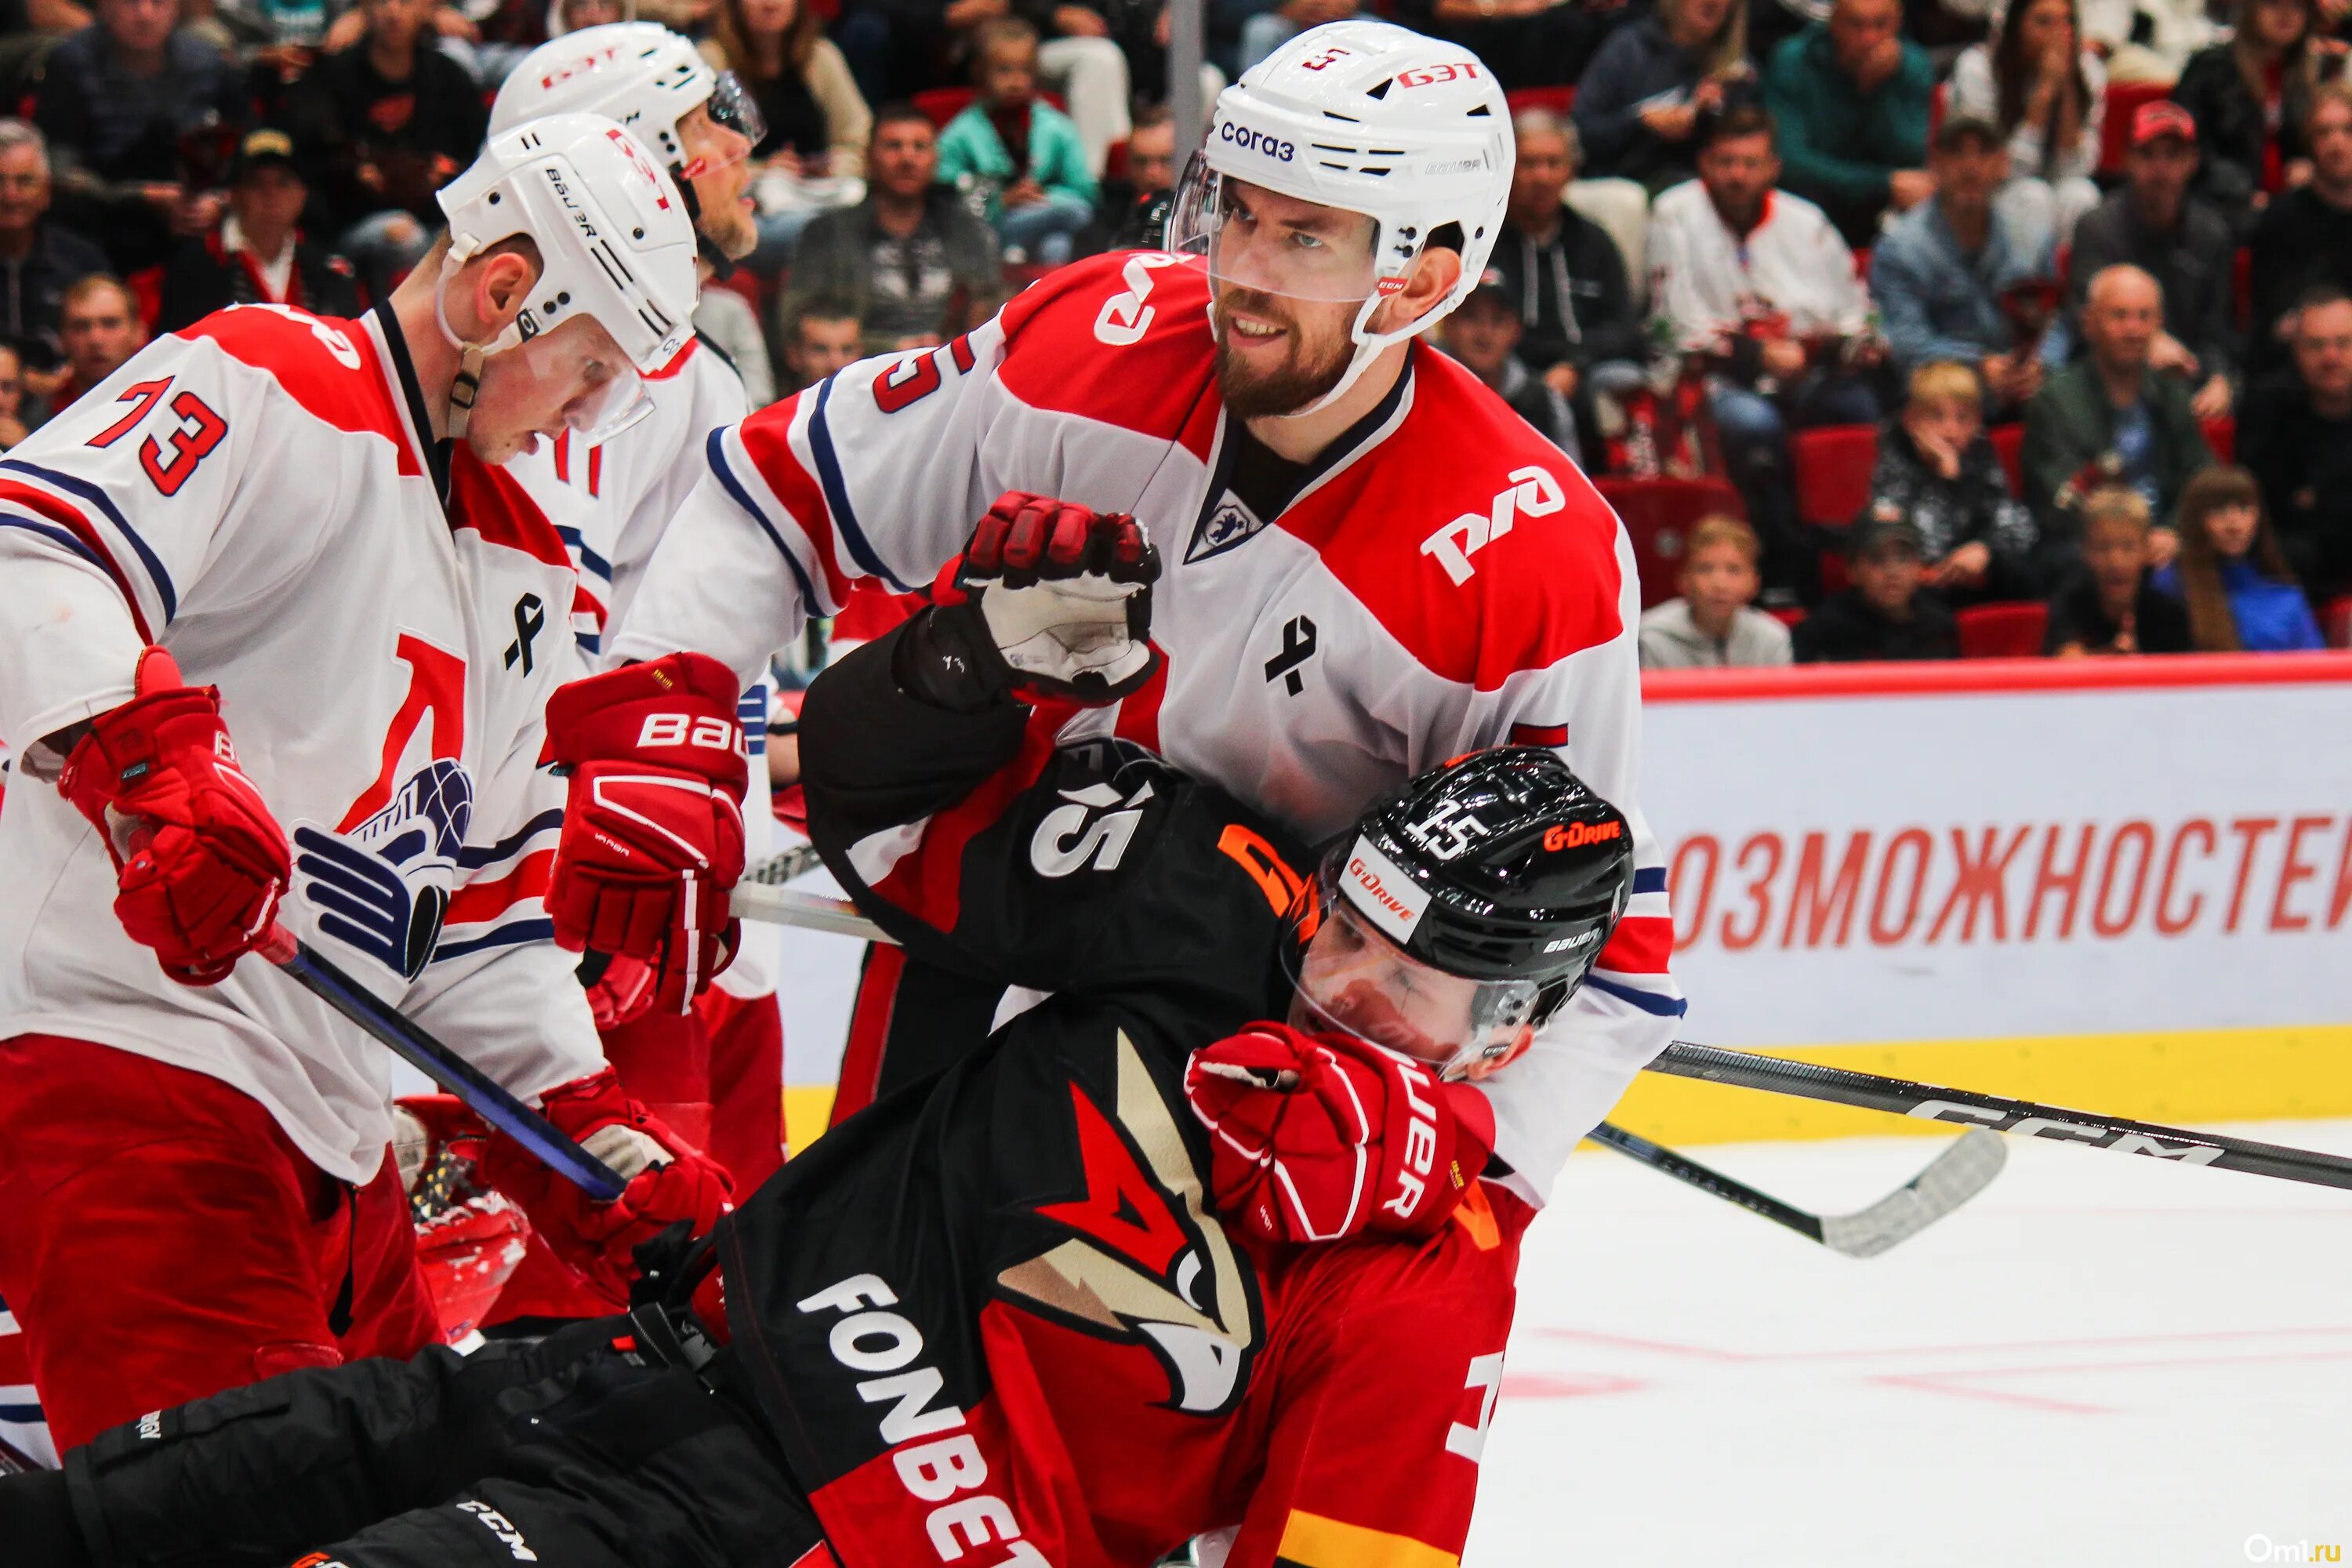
x=2124, y=98
x=2222, y=434
x=2242, y=288
x=1658, y=514
x=1831, y=466
x=2335, y=621
x=2003, y=631
x=2008, y=446
x=1559, y=100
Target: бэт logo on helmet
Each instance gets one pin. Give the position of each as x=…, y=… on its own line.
x=1260, y=141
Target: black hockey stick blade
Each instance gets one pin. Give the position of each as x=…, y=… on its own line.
x=783, y=867
x=1839, y=1085
x=323, y=979
x=1954, y=1176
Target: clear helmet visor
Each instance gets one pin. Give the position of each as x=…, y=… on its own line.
x=1350, y=977
x=730, y=107
x=582, y=373
x=1263, y=240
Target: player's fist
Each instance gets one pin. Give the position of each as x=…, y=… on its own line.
x=652, y=826
x=1054, y=601
x=200, y=862
x=668, y=1180
x=1317, y=1137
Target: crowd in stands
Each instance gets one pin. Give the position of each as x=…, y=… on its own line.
x=1934, y=316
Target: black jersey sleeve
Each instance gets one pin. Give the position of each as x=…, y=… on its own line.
x=983, y=845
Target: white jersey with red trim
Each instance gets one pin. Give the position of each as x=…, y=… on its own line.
x=610, y=503
x=1445, y=579
x=258, y=493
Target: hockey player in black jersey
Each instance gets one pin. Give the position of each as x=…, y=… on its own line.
x=1057, y=1305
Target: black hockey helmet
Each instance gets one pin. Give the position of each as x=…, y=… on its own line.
x=1500, y=869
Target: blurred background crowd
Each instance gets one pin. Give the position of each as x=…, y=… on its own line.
x=1894, y=329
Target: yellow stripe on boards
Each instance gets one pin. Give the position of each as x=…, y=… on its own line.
x=1314, y=1542
x=2185, y=1077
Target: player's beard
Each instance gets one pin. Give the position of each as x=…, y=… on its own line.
x=1308, y=371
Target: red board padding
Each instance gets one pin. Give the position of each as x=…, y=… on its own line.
x=1972, y=677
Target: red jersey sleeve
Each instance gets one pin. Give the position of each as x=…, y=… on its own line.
x=1387, y=1390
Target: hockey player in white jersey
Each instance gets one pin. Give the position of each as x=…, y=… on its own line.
x=1371, y=564
x=610, y=501
x=290, y=531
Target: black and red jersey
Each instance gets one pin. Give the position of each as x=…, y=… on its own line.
x=990, y=1318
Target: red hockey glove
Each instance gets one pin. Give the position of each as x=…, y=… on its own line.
x=1062, y=601
x=1316, y=1137
x=200, y=861
x=668, y=1180
x=653, y=827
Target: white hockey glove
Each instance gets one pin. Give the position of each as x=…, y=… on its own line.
x=1051, y=601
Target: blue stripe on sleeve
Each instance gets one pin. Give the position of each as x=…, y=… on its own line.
x=1649, y=879
x=105, y=503
x=1649, y=1002
x=514, y=935
x=743, y=498
x=589, y=560
x=836, y=493
x=472, y=858
x=50, y=530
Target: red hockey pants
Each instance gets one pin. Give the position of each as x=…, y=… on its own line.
x=162, y=1239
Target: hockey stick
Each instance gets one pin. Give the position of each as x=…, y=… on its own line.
x=318, y=975
x=1745, y=1069
x=1950, y=1179
x=1954, y=1177
x=14, y=1461
x=778, y=870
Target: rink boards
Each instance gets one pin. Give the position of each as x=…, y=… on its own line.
x=2126, y=885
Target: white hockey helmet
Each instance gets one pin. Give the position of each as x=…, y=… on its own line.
x=615, y=243
x=1370, y=118
x=638, y=73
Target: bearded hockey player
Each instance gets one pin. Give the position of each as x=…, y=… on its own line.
x=1372, y=564
x=274, y=647
x=610, y=500
x=997, y=1318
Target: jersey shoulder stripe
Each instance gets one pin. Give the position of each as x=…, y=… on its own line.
x=1121, y=338
x=724, y=472
x=837, y=490
x=17, y=469
x=1471, y=538
x=328, y=366
x=767, y=443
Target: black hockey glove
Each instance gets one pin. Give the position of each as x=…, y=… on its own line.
x=1048, y=602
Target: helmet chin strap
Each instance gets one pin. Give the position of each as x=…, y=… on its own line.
x=1369, y=344
x=466, y=386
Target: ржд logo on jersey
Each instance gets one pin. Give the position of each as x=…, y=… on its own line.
x=1533, y=493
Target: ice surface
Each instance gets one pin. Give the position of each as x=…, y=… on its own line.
x=2100, y=1361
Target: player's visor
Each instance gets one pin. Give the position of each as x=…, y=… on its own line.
x=1348, y=976
x=731, y=108
x=602, y=393
x=1262, y=240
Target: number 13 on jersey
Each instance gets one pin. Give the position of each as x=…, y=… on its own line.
x=196, y=432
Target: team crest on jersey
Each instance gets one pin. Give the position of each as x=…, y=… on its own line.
x=1144, y=1262
x=1226, y=524
x=381, y=886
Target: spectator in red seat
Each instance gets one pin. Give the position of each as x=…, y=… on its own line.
x=257, y=254
x=1639, y=105
x=1563, y=274
x=1756, y=285
x=1482, y=334
x=2306, y=238
x=116, y=100
x=823, y=336
x=2183, y=242
x=2230, y=573
x=40, y=259
x=1711, y=626
x=2107, y=604
x=910, y=259
x=100, y=329
x=386, y=123
x=1953, y=275
x=1887, y=612
x=2112, y=415
x=1019, y=155
x=2048, y=94
x=2251, y=97
x=1936, y=470
x=2296, y=436
x=1131, y=210
x=1852, y=96
x=817, y=121
x=12, y=397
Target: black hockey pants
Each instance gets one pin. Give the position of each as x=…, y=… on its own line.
x=577, y=1451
